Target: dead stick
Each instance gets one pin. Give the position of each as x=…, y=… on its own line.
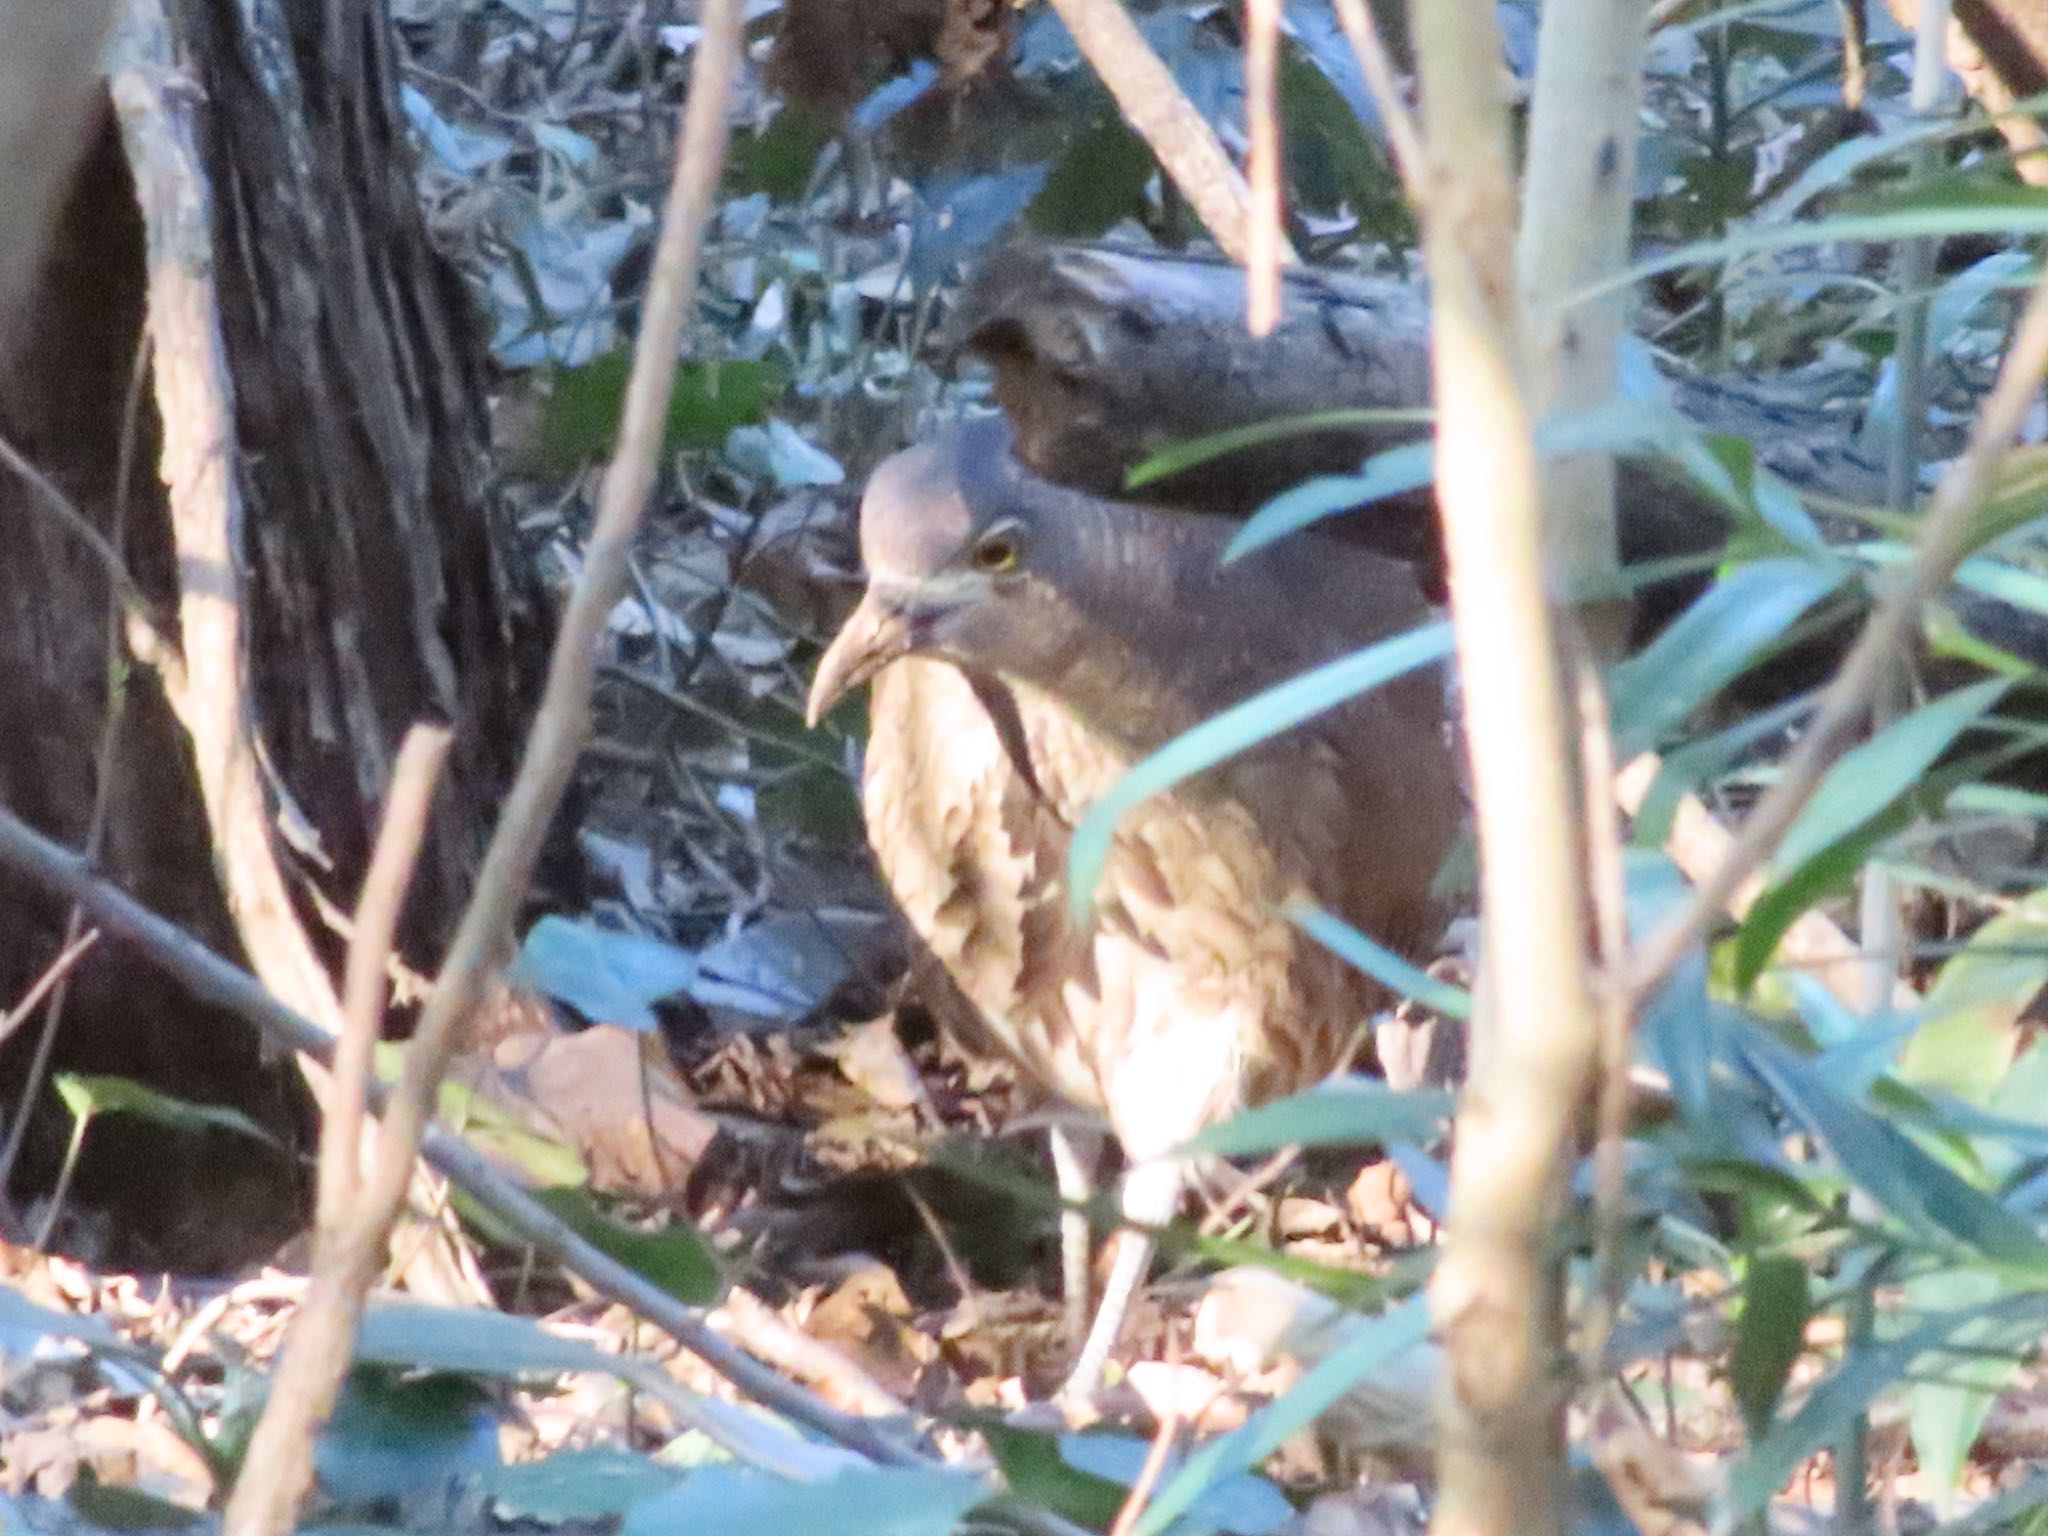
x=413, y=777
x=349, y=1237
x=213, y=980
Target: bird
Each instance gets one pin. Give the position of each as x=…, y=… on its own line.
x=1025, y=644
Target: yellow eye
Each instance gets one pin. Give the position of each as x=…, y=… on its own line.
x=995, y=553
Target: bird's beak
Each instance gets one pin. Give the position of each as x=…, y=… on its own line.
x=877, y=633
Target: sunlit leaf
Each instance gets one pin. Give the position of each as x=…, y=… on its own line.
x=1982, y=208
x=1946, y=1414
x=1871, y=775
x=86, y=1095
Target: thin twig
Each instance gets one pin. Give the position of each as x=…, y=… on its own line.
x=53, y=973
x=327, y=1323
x=1158, y=109
x=744, y=1317
x=1403, y=137
x=1263, y=235
x=1944, y=540
x=1159, y=1454
x=1697, y=843
x=126, y=593
x=213, y=980
x=1606, y=880
x=1219, y=1215
x=101, y=815
x=421, y=758
x=278, y=1472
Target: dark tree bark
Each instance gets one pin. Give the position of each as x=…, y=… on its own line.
x=372, y=552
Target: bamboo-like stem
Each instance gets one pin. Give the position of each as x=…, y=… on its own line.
x=1497, y=1295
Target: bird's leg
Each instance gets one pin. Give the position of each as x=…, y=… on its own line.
x=1151, y=1194
x=1076, y=1155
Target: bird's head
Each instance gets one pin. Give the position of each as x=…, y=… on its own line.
x=962, y=561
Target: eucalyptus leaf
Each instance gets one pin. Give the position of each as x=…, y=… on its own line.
x=1728, y=628
x=1882, y=1162
x=1377, y=961
x=1871, y=775
x=1770, y=1335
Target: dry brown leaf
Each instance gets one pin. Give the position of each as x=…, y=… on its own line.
x=873, y=1059
x=596, y=1091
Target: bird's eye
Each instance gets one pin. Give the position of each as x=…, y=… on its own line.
x=995, y=553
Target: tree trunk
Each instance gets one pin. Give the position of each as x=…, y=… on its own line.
x=374, y=583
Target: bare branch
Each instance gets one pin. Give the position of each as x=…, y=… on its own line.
x=1154, y=104
x=213, y=980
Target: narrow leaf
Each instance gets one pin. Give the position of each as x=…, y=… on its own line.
x=1243, y=725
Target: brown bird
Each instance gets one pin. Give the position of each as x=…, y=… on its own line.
x=1027, y=643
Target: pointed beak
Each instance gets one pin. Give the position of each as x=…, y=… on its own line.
x=877, y=633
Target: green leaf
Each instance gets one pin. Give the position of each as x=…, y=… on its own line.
x=1869, y=777
x=579, y=414
x=1947, y=1414
x=1243, y=725
x=1346, y=1112
x=1910, y=1185
x=1862, y=1377
x=2006, y=211
x=1972, y=1028
x=393, y=1436
x=861, y=1501
x=1038, y=1474
x=86, y=1096
x=111, y=1507
x=1242, y=1502
x=676, y=1257
x=1369, y=1350
x=599, y=1482
x=1187, y=455
x=1099, y=179
x=1733, y=624
x=1779, y=907
x=1406, y=468
x=1769, y=1336
x=470, y=1342
x=494, y=1129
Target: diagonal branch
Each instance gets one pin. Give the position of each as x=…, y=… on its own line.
x=1944, y=541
